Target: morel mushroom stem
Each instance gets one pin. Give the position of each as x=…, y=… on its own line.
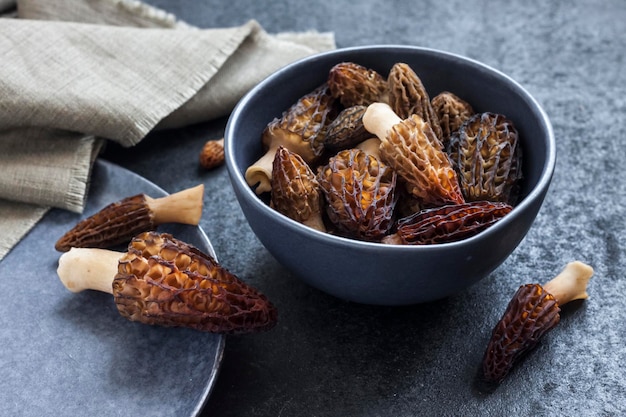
x=571, y=283
x=371, y=147
x=88, y=269
x=379, y=118
x=182, y=207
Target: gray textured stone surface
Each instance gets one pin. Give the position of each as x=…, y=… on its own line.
x=332, y=358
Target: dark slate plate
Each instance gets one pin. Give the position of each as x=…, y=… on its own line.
x=67, y=354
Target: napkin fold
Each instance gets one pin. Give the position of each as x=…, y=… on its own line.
x=75, y=74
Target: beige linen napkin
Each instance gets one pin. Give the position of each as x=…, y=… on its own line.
x=75, y=73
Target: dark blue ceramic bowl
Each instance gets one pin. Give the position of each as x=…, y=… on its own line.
x=374, y=273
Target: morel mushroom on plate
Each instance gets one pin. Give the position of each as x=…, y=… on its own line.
x=118, y=222
x=163, y=281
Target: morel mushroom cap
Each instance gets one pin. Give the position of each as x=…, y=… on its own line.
x=360, y=191
x=531, y=313
x=163, y=281
x=411, y=148
x=452, y=112
x=355, y=85
x=120, y=221
x=347, y=129
x=407, y=96
x=300, y=129
x=486, y=154
x=295, y=190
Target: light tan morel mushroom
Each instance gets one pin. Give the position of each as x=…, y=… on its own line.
x=295, y=190
x=360, y=191
x=118, y=222
x=163, y=281
x=410, y=147
x=356, y=85
x=532, y=312
x=407, y=96
x=301, y=129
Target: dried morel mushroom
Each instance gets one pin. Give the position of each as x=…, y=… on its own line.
x=346, y=130
x=487, y=157
x=531, y=313
x=411, y=148
x=301, y=129
x=118, y=222
x=447, y=223
x=360, y=191
x=295, y=190
x=212, y=154
x=355, y=85
x=452, y=112
x=163, y=281
x=407, y=96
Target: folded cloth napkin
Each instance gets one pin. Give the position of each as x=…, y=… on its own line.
x=77, y=73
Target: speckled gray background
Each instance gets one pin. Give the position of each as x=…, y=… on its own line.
x=331, y=358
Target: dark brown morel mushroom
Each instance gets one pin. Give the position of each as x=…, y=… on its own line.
x=118, y=222
x=295, y=190
x=486, y=154
x=447, y=223
x=532, y=312
x=346, y=130
x=360, y=192
x=355, y=85
x=452, y=112
x=163, y=281
x=301, y=129
x=411, y=148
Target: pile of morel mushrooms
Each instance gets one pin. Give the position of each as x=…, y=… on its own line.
x=375, y=159
x=159, y=279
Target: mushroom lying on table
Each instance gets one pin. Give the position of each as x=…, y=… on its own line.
x=163, y=281
x=531, y=313
x=120, y=221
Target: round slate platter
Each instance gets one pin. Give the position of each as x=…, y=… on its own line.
x=67, y=354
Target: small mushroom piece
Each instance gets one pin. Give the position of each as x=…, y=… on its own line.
x=407, y=96
x=346, y=130
x=360, y=192
x=356, y=85
x=163, y=281
x=532, y=312
x=295, y=190
x=447, y=223
x=452, y=112
x=410, y=147
x=486, y=154
x=212, y=154
x=301, y=129
x=118, y=222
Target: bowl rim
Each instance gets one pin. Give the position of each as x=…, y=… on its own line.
x=236, y=175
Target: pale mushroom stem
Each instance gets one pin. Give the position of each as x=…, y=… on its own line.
x=571, y=283
x=371, y=147
x=88, y=269
x=261, y=172
x=315, y=222
x=182, y=207
x=379, y=118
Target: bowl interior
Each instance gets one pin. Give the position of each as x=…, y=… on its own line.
x=484, y=88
